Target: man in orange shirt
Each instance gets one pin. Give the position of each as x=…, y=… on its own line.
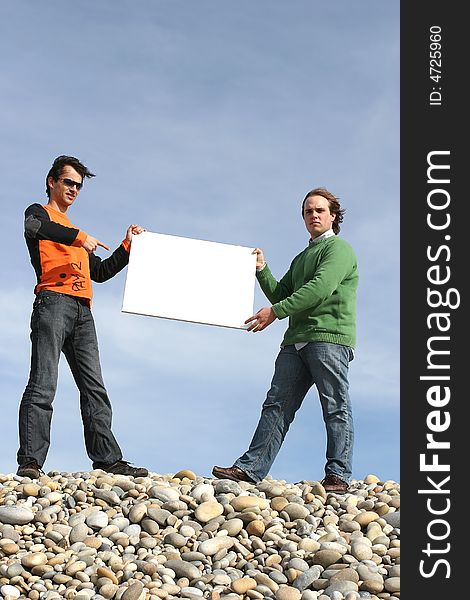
x=65, y=265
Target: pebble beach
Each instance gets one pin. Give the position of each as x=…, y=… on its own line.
x=96, y=536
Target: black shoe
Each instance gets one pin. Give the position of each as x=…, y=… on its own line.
x=333, y=483
x=122, y=467
x=233, y=473
x=30, y=469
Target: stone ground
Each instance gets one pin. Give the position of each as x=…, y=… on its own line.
x=92, y=535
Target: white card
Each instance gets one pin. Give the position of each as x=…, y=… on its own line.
x=192, y=280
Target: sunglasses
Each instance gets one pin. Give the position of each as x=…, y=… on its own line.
x=70, y=183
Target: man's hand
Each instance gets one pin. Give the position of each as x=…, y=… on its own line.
x=261, y=320
x=133, y=230
x=92, y=243
x=260, y=262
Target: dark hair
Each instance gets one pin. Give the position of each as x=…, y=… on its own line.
x=58, y=165
x=333, y=203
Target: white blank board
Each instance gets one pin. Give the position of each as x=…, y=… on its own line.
x=192, y=280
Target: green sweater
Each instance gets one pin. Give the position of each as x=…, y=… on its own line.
x=318, y=293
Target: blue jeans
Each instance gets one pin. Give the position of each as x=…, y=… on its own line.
x=61, y=323
x=326, y=365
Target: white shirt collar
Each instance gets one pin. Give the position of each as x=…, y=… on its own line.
x=323, y=236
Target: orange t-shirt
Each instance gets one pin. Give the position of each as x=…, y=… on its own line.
x=58, y=257
x=65, y=269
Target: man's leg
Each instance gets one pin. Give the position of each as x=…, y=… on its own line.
x=49, y=323
x=329, y=365
x=291, y=382
x=81, y=352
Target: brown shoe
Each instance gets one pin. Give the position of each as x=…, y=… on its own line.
x=30, y=469
x=333, y=483
x=233, y=473
x=122, y=467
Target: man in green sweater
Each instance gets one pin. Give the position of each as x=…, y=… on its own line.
x=318, y=294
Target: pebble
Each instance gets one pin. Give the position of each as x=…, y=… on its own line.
x=286, y=592
x=15, y=515
x=305, y=579
x=361, y=551
x=242, y=585
x=207, y=511
x=96, y=536
x=185, y=473
x=183, y=568
x=393, y=518
x=240, y=503
x=97, y=520
x=214, y=545
x=133, y=592
x=325, y=558
x=342, y=586
x=10, y=590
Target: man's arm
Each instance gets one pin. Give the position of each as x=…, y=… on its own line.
x=102, y=270
x=337, y=263
x=38, y=225
x=273, y=290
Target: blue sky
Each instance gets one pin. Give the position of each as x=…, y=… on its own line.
x=208, y=120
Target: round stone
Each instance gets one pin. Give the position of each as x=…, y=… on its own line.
x=185, y=473
x=16, y=515
x=108, y=573
x=97, y=520
x=10, y=590
x=78, y=533
x=137, y=512
x=133, y=592
x=256, y=528
x=165, y=494
x=306, y=578
x=183, y=568
x=371, y=479
x=208, y=510
x=202, y=491
x=31, y=489
x=108, y=590
x=279, y=503
x=33, y=560
x=174, y=539
x=233, y=526
x=342, y=586
x=366, y=517
x=286, y=592
x=240, y=503
x=242, y=585
x=214, y=545
x=10, y=548
x=345, y=574
x=325, y=558
x=392, y=584
x=296, y=511
x=392, y=518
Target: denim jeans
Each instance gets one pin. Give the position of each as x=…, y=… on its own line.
x=61, y=323
x=326, y=366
